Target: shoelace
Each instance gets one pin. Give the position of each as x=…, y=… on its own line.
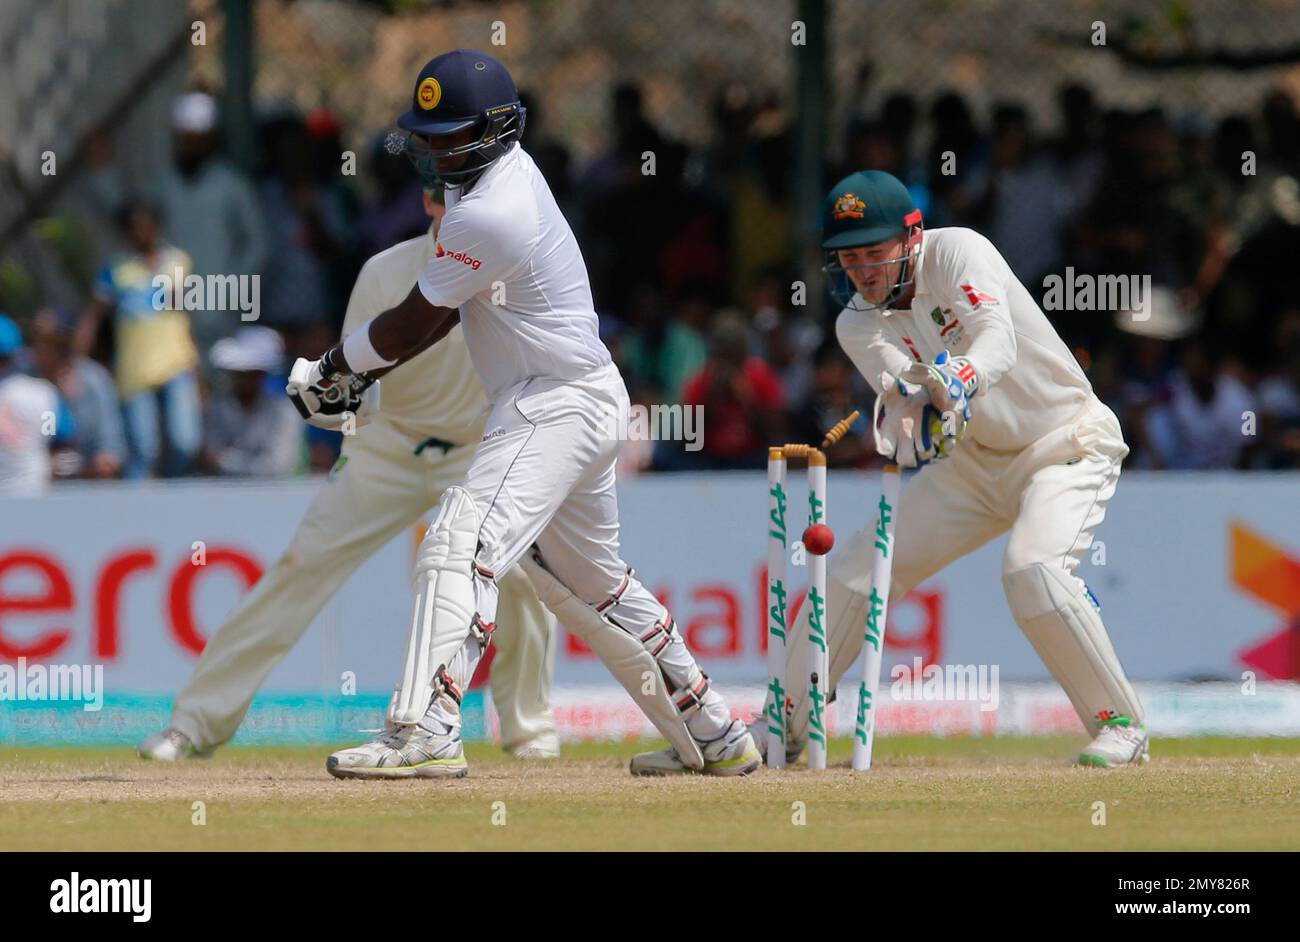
x=395, y=737
x=704, y=744
x=1115, y=732
x=399, y=737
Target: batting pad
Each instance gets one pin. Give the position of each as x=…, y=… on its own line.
x=444, y=602
x=625, y=656
x=1065, y=628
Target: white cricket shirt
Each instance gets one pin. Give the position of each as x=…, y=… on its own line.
x=969, y=303
x=26, y=406
x=507, y=258
x=436, y=393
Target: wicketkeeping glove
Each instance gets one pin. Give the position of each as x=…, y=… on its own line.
x=327, y=400
x=909, y=430
x=950, y=382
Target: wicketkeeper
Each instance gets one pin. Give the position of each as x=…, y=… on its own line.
x=970, y=370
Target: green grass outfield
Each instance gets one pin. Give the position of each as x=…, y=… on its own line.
x=923, y=794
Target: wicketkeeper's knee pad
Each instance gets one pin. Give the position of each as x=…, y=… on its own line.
x=1062, y=620
x=648, y=664
x=452, y=601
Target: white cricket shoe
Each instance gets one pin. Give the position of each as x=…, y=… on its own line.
x=169, y=746
x=403, y=752
x=1120, y=742
x=732, y=753
x=545, y=746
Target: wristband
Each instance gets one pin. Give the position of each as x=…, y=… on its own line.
x=329, y=366
x=967, y=375
x=361, y=354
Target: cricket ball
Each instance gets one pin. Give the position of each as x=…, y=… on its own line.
x=818, y=539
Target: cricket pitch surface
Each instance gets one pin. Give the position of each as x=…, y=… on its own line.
x=923, y=794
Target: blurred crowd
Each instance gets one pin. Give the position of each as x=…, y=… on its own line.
x=692, y=267
x=691, y=256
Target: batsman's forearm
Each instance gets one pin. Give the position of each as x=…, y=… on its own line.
x=392, y=337
x=428, y=342
x=399, y=334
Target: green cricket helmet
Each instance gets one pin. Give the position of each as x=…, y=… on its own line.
x=867, y=208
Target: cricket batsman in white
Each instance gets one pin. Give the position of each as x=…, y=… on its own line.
x=539, y=493
x=393, y=469
x=967, y=368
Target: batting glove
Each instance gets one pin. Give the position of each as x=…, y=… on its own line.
x=328, y=398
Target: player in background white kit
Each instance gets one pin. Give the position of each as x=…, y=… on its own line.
x=391, y=472
x=540, y=490
x=957, y=348
x=32, y=417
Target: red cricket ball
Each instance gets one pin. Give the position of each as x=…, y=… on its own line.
x=818, y=539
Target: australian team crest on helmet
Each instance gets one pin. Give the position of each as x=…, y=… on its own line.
x=848, y=206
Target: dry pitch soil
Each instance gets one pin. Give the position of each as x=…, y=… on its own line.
x=923, y=794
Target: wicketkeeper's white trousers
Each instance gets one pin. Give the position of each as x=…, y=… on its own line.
x=381, y=489
x=1051, y=496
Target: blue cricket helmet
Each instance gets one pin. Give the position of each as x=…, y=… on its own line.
x=462, y=89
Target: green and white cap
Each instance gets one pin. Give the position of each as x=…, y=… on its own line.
x=865, y=208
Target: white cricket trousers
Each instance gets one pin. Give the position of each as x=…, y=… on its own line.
x=1051, y=496
x=380, y=490
x=544, y=474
